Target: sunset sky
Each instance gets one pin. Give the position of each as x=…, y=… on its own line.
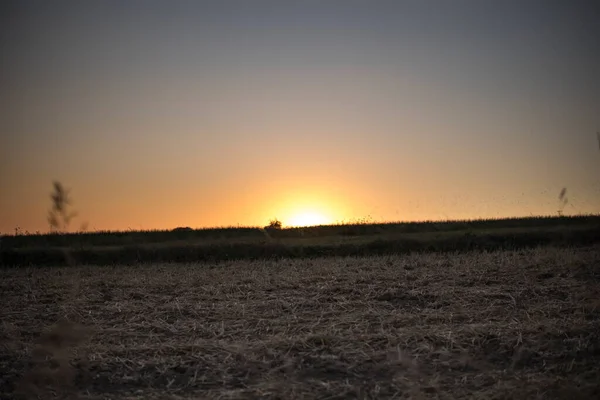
x=197, y=113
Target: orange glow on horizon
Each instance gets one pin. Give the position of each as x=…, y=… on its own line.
x=308, y=218
x=308, y=203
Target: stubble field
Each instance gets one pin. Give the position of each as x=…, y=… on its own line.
x=498, y=325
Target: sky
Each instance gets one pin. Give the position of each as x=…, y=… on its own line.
x=159, y=114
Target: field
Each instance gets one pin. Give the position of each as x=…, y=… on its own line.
x=502, y=324
x=185, y=245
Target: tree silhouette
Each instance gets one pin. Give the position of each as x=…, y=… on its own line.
x=274, y=224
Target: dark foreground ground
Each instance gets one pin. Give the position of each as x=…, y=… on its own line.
x=500, y=325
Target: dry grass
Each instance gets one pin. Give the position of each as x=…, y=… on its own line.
x=498, y=325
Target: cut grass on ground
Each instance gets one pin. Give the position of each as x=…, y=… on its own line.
x=502, y=325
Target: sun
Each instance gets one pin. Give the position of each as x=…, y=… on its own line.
x=308, y=218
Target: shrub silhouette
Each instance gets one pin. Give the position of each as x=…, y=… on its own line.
x=183, y=229
x=274, y=224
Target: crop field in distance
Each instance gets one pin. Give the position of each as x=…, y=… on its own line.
x=503, y=324
x=186, y=245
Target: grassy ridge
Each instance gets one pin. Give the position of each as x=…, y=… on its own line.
x=121, y=238
x=250, y=243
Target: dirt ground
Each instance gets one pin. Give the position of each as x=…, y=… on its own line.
x=499, y=325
